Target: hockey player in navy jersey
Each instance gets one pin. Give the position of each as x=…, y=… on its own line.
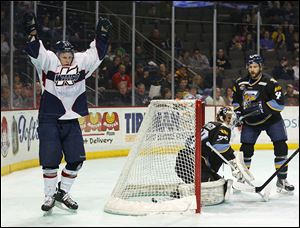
x=62, y=75
x=258, y=92
x=218, y=134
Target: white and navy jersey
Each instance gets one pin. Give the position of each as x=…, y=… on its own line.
x=64, y=89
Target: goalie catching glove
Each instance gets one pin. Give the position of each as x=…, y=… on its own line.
x=104, y=27
x=239, y=169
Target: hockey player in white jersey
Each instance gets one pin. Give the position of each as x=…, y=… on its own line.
x=63, y=101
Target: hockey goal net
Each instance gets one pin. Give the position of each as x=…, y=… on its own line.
x=151, y=180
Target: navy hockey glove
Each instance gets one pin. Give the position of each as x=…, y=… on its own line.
x=30, y=24
x=104, y=27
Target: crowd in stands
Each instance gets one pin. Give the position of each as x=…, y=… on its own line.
x=153, y=80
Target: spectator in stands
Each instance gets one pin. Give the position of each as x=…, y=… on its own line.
x=291, y=97
x=4, y=50
x=140, y=57
x=197, y=81
x=222, y=63
x=166, y=93
x=18, y=100
x=296, y=43
x=228, y=96
x=219, y=98
x=163, y=70
x=235, y=43
x=207, y=97
x=183, y=85
x=199, y=61
x=112, y=69
x=123, y=98
x=154, y=52
x=141, y=96
x=185, y=58
x=4, y=77
x=289, y=37
x=127, y=62
x=182, y=72
x=5, y=101
x=249, y=44
x=57, y=27
x=167, y=81
x=121, y=76
x=193, y=93
x=279, y=38
x=179, y=94
x=266, y=43
x=296, y=73
x=27, y=94
x=283, y=71
x=110, y=54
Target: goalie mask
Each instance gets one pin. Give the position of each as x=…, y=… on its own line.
x=226, y=116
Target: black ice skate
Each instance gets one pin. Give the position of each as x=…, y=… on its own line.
x=63, y=198
x=283, y=184
x=48, y=204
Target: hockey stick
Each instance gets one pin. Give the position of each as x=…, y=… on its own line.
x=250, y=188
x=255, y=112
x=258, y=189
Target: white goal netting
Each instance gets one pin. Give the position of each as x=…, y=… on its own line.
x=158, y=176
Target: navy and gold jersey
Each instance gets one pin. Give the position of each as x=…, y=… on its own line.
x=264, y=93
x=218, y=135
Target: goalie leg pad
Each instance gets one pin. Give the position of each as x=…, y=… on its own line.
x=239, y=160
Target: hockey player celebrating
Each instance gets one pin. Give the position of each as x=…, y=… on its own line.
x=62, y=75
x=258, y=92
x=217, y=134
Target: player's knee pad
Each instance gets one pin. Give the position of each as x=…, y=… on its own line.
x=248, y=150
x=280, y=148
x=74, y=166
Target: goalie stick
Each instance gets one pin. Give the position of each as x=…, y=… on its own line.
x=250, y=188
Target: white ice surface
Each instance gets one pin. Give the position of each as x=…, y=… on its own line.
x=22, y=196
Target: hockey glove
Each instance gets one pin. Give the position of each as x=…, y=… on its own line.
x=238, y=122
x=104, y=27
x=30, y=25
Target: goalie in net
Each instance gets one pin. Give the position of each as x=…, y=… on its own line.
x=215, y=189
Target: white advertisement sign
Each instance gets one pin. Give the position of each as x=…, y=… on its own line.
x=105, y=129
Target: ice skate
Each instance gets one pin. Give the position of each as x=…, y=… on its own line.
x=48, y=205
x=64, y=200
x=283, y=184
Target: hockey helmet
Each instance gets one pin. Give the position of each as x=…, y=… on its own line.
x=64, y=46
x=225, y=115
x=254, y=59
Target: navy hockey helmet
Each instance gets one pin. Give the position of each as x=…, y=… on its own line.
x=64, y=46
x=254, y=59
